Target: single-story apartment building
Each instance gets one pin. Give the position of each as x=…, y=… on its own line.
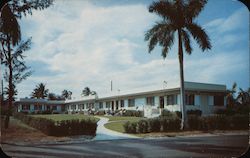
x=199, y=96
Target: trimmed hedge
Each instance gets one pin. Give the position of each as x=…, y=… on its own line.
x=194, y=112
x=152, y=125
x=167, y=124
x=59, y=128
x=134, y=113
x=218, y=122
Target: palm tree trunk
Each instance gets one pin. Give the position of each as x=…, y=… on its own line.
x=10, y=97
x=182, y=88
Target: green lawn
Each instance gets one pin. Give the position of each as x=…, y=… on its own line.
x=120, y=121
x=59, y=117
x=123, y=118
x=115, y=126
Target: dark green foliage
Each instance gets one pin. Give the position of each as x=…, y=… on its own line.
x=229, y=111
x=134, y=113
x=206, y=123
x=166, y=113
x=170, y=124
x=59, y=128
x=142, y=126
x=154, y=125
x=130, y=127
x=178, y=113
x=194, y=112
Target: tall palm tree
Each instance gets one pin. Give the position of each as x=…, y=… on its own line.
x=40, y=91
x=86, y=91
x=66, y=94
x=177, y=17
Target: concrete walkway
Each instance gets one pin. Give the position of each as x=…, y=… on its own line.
x=103, y=133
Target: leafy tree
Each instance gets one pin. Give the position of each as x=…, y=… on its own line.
x=86, y=91
x=230, y=97
x=16, y=70
x=177, y=17
x=66, y=94
x=10, y=34
x=243, y=97
x=40, y=91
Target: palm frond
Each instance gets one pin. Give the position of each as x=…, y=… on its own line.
x=161, y=33
x=193, y=8
x=186, y=39
x=164, y=9
x=199, y=35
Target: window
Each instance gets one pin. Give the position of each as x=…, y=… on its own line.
x=218, y=100
x=131, y=102
x=108, y=104
x=150, y=101
x=54, y=108
x=100, y=105
x=122, y=103
x=36, y=107
x=73, y=107
x=25, y=107
x=171, y=99
x=189, y=100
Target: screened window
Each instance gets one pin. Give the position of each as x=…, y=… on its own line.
x=54, y=108
x=131, y=102
x=100, y=105
x=122, y=103
x=150, y=101
x=171, y=100
x=218, y=100
x=108, y=104
x=189, y=100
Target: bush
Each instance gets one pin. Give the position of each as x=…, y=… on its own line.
x=142, y=126
x=170, y=124
x=166, y=113
x=239, y=122
x=134, y=113
x=59, y=128
x=47, y=112
x=154, y=125
x=194, y=122
x=194, y=112
x=130, y=127
x=178, y=113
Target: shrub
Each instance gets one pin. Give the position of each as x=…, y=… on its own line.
x=170, y=124
x=142, y=126
x=194, y=122
x=194, y=112
x=239, y=122
x=130, y=127
x=59, y=128
x=154, y=125
x=134, y=113
x=178, y=113
x=166, y=113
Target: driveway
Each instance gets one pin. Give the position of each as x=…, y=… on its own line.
x=103, y=133
x=179, y=147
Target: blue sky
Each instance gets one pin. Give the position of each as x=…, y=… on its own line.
x=89, y=43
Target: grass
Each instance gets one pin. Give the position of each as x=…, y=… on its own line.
x=60, y=117
x=119, y=122
x=123, y=118
x=115, y=126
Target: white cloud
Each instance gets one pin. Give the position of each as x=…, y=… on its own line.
x=87, y=45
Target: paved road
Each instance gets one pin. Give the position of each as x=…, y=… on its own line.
x=198, y=146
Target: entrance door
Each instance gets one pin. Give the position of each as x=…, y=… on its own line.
x=112, y=106
x=162, y=102
x=116, y=104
